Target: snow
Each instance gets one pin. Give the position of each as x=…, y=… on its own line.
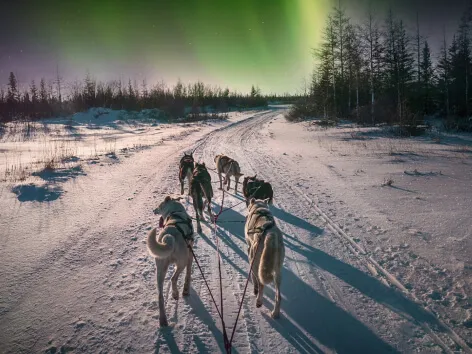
x=75, y=274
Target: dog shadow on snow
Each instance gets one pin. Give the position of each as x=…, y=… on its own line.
x=303, y=309
x=327, y=322
x=295, y=220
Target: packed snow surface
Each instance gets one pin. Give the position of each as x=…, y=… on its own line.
x=377, y=233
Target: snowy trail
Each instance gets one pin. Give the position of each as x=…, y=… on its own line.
x=75, y=274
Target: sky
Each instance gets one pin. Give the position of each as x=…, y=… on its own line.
x=228, y=43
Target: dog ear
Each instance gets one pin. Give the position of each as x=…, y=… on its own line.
x=168, y=198
x=203, y=164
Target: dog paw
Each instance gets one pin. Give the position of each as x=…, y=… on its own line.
x=258, y=304
x=186, y=292
x=163, y=323
x=175, y=295
x=274, y=314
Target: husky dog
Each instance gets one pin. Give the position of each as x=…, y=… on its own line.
x=266, y=247
x=229, y=167
x=171, y=246
x=200, y=186
x=257, y=188
x=185, y=170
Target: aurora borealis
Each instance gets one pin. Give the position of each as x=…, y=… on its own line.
x=229, y=43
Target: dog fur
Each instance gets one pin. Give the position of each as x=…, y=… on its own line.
x=186, y=166
x=266, y=247
x=171, y=247
x=257, y=188
x=230, y=168
x=200, y=186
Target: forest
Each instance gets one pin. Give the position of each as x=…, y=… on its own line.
x=55, y=98
x=378, y=71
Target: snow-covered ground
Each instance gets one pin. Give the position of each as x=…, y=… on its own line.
x=75, y=274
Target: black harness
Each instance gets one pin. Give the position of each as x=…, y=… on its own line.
x=179, y=220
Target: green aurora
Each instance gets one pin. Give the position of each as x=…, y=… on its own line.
x=229, y=43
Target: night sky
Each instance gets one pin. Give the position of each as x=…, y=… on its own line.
x=229, y=43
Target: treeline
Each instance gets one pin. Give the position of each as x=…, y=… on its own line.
x=47, y=99
x=378, y=71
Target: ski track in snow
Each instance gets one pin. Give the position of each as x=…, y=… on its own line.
x=87, y=284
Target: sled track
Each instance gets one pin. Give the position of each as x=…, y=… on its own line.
x=361, y=254
x=241, y=140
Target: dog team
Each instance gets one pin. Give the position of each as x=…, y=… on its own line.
x=174, y=242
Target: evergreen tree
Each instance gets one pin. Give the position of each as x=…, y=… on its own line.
x=13, y=97
x=443, y=70
x=34, y=93
x=341, y=31
x=12, y=93
x=374, y=54
x=253, y=91
x=43, y=94
x=427, y=79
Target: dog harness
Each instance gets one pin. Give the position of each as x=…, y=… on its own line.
x=180, y=220
x=226, y=161
x=186, y=160
x=260, y=213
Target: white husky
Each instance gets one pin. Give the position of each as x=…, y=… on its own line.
x=171, y=246
x=266, y=246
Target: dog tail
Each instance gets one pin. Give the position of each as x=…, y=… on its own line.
x=266, y=266
x=160, y=249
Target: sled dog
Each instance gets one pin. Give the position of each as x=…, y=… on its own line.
x=200, y=186
x=230, y=168
x=257, y=188
x=266, y=247
x=171, y=246
x=185, y=171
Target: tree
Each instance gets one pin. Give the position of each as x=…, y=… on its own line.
x=354, y=64
x=13, y=97
x=12, y=93
x=34, y=92
x=43, y=94
x=341, y=28
x=418, y=48
x=90, y=86
x=253, y=91
x=374, y=54
x=427, y=79
x=58, y=85
x=443, y=69
x=399, y=63
x=179, y=89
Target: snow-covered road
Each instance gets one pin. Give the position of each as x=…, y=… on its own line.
x=76, y=276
